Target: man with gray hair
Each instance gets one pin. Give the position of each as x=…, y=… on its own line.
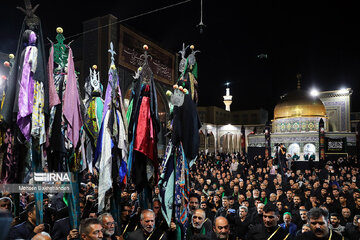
x=272, y=198
x=197, y=226
x=147, y=222
x=108, y=224
x=256, y=194
x=41, y=236
x=223, y=211
x=258, y=214
x=242, y=223
x=352, y=230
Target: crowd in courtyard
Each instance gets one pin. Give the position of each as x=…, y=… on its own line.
x=231, y=197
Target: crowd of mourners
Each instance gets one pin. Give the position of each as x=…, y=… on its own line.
x=231, y=197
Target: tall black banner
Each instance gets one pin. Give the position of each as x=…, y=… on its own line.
x=335, y=145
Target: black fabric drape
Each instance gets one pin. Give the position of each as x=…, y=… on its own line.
x=10, y=107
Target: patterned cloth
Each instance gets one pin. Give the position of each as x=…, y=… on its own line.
x=92, y=121
x=181, y=189
x=38, y=116
x=9, y=171
x=26, y=92
x=167, y=183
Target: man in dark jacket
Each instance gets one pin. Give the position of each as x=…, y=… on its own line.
x=269, y=229
x=61, y=229
x=147, y=222
x=91, y=228
x=197, y=226
x=318, y=219
x=242, y=223
x=352, y=230
x=221, y=229
x=27, y=229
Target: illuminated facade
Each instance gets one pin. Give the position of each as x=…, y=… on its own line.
x=296, y=123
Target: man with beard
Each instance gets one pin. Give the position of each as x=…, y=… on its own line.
x=288, y=201
x=269, y=229
x=194, y=201
x=223, y=211
x=280, y=208
x=221, y=229
x=257, y=216
x=108, y=224
x=280, y=196
x=335, y=223
x=294, y=208
x=289, y=226
x=303, y=218
x=334, y=207
x=160, y=224
x=147, y=222
x=318, y=219
x=128, y=224
x=197, y=226
x=209, y=213
x=352, y=230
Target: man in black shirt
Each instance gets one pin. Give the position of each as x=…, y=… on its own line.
x=288, y=201
x=27, y=229
x=318, y=219
x=223, y=211
x=269, y=229
x=242, y=223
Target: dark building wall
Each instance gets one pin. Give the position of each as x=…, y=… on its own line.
x=98, y=33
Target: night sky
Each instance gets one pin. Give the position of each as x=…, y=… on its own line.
x=318, y=39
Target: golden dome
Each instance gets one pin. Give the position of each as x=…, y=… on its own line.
x=299, y=103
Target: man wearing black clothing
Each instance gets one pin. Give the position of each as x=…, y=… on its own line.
x=345, y=216
x=282, y=156
x=206, y=206
x=302, y=219
x=242, y=223
x=223, y=211
x=294, y=208
x=221, y=229
x=352, y=230
x=197, y=226
x=333, y=207
x=128, y=224
x=257, y=216
x=280, y=194
x=27, y=229
x=269, y=229
x=281, y=210
x=147, y=222
x=322, y=195
x=288, y=201
x=318, y=219
x=356, y=210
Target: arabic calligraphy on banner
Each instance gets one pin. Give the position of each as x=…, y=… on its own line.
x=335, y=145
x=162, y=62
